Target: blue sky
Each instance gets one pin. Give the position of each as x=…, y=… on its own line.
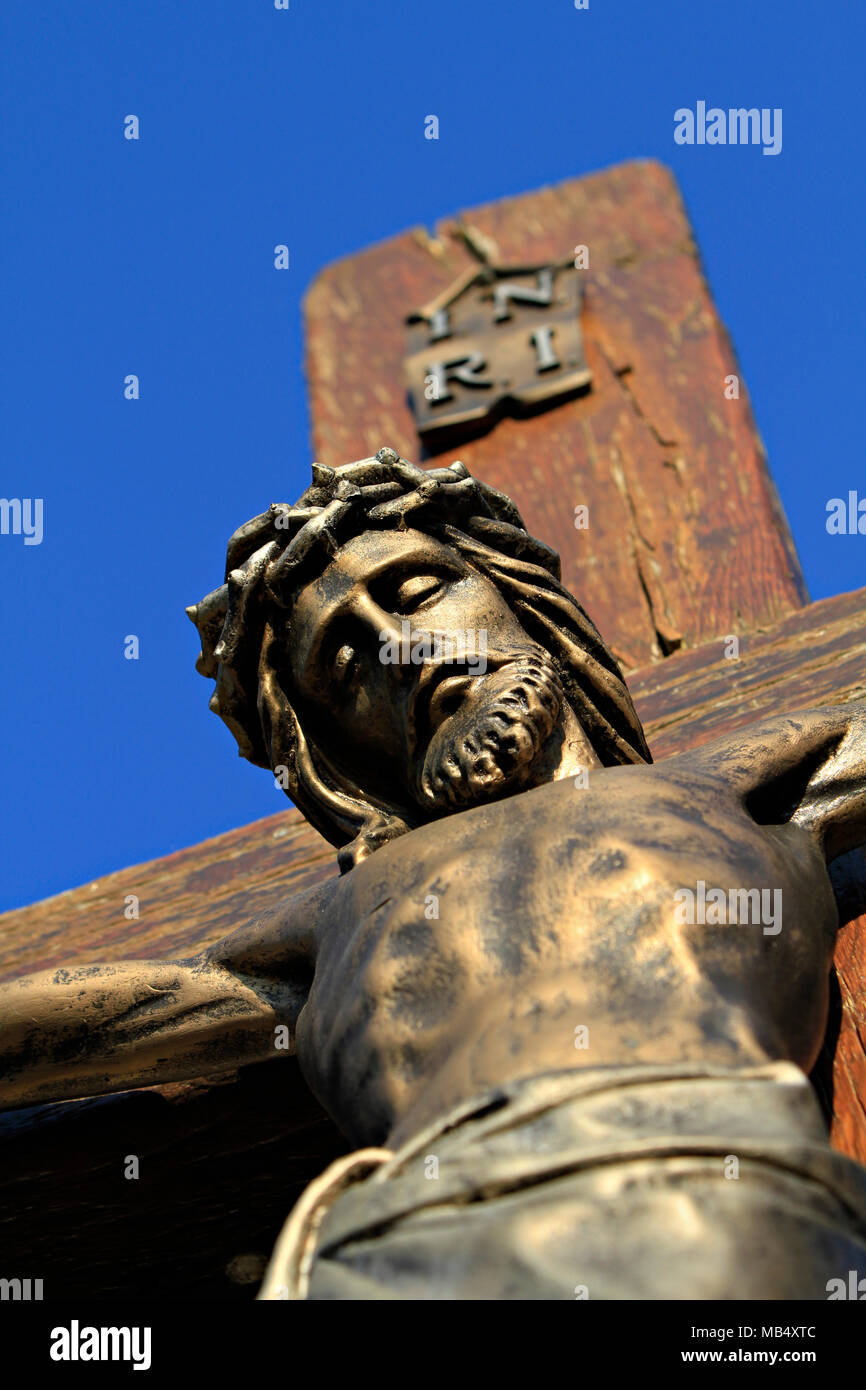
x=155, y=257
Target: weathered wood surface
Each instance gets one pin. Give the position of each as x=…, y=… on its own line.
x=193, y=897
x=186, y=900
x=685, y=532
x=814, y=657
x=685, y=526
x=222, y=1162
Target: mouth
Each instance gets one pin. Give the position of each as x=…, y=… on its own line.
x=483, y=734
x=438, y=695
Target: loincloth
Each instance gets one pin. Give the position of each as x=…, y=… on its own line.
x=671, y=1182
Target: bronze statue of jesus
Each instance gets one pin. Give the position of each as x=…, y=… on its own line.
x=563, y=999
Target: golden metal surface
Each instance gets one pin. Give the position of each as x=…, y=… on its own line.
x=524, y=893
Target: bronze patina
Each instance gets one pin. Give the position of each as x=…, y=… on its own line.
x=500, y=340
x=562, y=999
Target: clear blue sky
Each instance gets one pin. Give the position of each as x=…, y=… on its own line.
x=306, y=127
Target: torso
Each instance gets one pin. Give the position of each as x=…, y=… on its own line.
x=468, y=952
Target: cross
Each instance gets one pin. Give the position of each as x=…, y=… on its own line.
x=652, y=484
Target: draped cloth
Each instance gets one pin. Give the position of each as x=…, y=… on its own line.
x=646, y=1182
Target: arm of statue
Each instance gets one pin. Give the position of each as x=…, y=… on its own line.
x=806, y=769
x=88, y=1030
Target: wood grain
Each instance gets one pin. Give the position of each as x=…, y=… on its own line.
x=685, y=525
x=223, y=1161
x=686, y=544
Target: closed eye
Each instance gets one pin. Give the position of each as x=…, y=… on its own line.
x=414, y=592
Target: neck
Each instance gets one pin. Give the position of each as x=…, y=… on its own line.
x=568, y=752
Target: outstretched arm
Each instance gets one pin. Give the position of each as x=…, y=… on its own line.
x=92, y=1029
x=806, y=768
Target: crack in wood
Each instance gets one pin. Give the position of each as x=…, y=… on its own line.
x=667, y=640
x=621, y=373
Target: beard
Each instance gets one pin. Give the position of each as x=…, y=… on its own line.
x=488, y=747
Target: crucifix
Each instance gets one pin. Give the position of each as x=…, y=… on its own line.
x=682, y=558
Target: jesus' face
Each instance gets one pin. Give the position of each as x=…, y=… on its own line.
x=427, y=720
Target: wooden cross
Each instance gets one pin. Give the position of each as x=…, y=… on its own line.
x=686, y=566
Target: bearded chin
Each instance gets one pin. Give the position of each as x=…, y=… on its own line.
x=488, y=748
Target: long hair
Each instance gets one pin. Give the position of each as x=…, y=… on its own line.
x=272, y=556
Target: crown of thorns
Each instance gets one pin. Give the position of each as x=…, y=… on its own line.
x=269, y=556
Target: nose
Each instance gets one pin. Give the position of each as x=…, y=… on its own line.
x=377, y=620
x=448, y=697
